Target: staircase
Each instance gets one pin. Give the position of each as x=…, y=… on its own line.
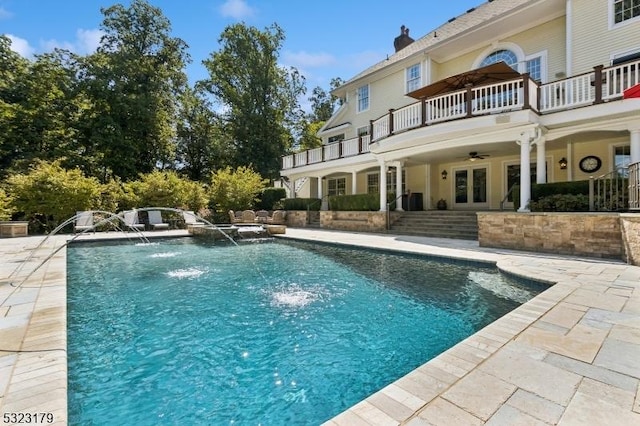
x=461, y=225
x=314, y=220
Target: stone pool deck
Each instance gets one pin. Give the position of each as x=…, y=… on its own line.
x=570, y=356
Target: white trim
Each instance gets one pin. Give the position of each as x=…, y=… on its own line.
x=406, y=79
x=358, y=110
x=613, y=25
x=517, y=50
x=612, y=153
x=470, y=204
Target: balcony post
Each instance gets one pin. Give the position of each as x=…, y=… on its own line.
x=371, y=130
x=598, y=81
x=526, y=102
x=423, y=109
x=468, y=98
x=391, y=122
x=340, y=149
x=360, y=144
x=307, y=152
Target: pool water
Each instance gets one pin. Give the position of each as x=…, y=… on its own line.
x=182, y=332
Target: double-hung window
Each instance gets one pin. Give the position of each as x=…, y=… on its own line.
x=336, y=186
x=623, y=10
x=363, y=98
x=413, y=78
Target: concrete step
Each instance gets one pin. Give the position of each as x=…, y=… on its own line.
x=437, y=224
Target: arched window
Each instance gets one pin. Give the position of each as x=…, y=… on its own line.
x=507, y=56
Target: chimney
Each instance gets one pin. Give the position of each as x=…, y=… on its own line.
x=403, y=40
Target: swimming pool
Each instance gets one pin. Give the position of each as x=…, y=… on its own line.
x=185, y=332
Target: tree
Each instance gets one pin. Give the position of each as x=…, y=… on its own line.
x=13, y=70
x=321, y=105
x=201, y=145
x=235, y=189
x=166, y=189
x=134, y=79
x=259, y=99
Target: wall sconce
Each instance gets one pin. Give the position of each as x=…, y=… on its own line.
x=563, y=163
x=444, y=174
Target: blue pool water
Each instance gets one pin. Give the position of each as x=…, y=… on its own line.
x=181, y=332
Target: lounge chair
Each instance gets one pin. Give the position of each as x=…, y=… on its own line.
x=84, y=221
x=279, y=217
x=155, y=220
x=190, y=219
x=262, y=216
x=130, y=218
x=248, y=216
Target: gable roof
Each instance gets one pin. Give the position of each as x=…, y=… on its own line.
x=455, y=26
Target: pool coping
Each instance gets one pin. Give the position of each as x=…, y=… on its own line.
x=571, y=355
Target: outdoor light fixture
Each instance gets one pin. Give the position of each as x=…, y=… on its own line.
x=444, y=174
x=563, y=163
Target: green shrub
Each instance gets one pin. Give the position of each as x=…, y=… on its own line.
x=269, y=197
x=163, y=189
x=235, y=189
x=561, y=203
x=48, y=194
x=312, y=204
x=356, y=202
x=5, y=205
x=539, y=190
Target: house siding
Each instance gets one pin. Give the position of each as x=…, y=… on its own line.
x=593, y=41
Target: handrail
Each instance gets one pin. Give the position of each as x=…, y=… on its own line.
x=319, y=200
x=388, y=215
x=609, y=192
x=504, y=200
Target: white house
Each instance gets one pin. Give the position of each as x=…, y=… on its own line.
x=441, y=120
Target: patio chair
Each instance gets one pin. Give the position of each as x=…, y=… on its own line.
x=83, y=222
x=130, y=218
x=248, y=216
x=279, y=217
x=190, y=219
x=155, y=220
x=262, y=216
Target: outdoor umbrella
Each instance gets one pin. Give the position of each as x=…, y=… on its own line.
x=493, y=73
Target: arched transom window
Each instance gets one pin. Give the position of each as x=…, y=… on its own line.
x=507, y=56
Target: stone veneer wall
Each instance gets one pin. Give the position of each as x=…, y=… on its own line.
x=298, y=218
x=630, y=223
x=354, y=221
x=585, y=234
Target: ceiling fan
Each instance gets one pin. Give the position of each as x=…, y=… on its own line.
x=473, y=156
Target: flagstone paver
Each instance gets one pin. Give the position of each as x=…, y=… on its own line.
x=569, y=356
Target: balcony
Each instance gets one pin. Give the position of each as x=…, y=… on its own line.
x=592, y=88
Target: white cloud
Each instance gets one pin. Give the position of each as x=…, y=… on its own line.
x=86, y=42
x=21, y=46
x=237, y=9
x=308, y=60
x=5, y=14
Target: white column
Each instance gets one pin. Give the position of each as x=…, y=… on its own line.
x=354, y=187
x=525, y=172
x=383, y=187
x=319, y=187
x=635, y=146
x=541, y=164
x=399, y=186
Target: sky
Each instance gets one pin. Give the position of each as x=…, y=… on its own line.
x=323, y=39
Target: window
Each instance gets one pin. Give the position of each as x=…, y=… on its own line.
x=336, y=186
x=534, y=68
x=624, y=10
x=413, y=78
x=622, y=159
x=363, y=131
x=336, y=138
x=507, y=56
x=363, y=98
x=373, y=183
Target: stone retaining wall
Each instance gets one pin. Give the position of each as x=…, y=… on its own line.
x=354, y=221
x=585, y=234
x=630, y=223
x=299, y=218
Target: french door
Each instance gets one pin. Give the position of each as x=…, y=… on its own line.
x=471, y=188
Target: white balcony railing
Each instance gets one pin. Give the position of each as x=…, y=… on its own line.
x=600, y=85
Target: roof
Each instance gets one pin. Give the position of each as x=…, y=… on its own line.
x=453, y=27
